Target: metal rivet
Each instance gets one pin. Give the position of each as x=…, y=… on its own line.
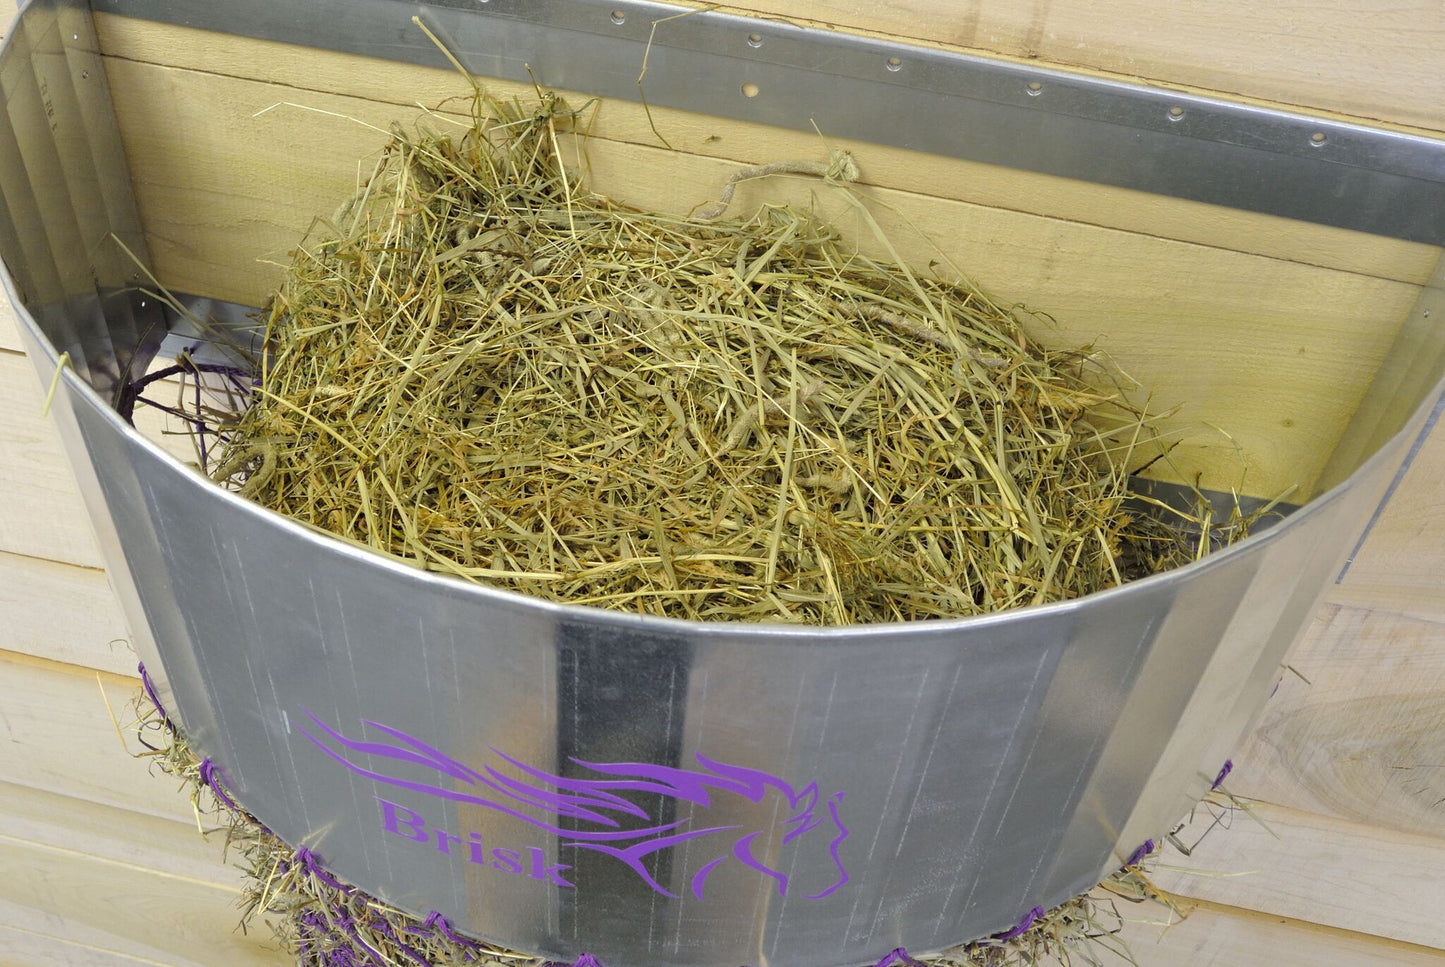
x=85, y=75
x=755, y=40
x=1176, y=113
x=1318, y=138
x=619, y=17
x=1035, y=88
x=750, y=89
x=894, y=64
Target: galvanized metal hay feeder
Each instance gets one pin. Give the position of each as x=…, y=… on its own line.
x=559, y=779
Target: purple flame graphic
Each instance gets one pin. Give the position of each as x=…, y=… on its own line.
x=592, y=806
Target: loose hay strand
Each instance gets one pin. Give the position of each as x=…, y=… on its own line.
x=485, y=369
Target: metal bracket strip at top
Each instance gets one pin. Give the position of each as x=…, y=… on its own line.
x=941, y=102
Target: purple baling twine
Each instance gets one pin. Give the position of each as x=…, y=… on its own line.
x=380, y=924
x=208, y=776
x=1024, y=924
x=901, y=956
x=313, y=866
x=1223, y=774
x=348, y=923
x=435, y=921
x=586, y=960
x=1140, y=853
x=150, y=690
x=131, y=394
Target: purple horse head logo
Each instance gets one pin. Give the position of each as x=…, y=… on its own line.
x=585, y=813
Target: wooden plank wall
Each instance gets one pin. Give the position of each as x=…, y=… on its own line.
x=101, y=864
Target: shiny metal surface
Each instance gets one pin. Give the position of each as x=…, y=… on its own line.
x=1412, y=365
x=560, y=779
x=887, y=92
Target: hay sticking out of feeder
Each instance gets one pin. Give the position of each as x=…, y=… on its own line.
x=323, y=921
x=484, y=368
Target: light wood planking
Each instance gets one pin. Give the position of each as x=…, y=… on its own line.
x=1275, y=352
x=1221, y=936
x=63, y=613
x=24, y=947
x=126, y=910
x=404, y=87
x=43, y=515
x=1363, y=738
x=57, y=736
x=9, y=328
x=1369, y=58
x=1317, y=869
x=101, y=883
x=116, y=836
x=101, y=862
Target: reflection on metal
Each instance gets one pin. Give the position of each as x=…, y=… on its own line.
x=886, y=92
x=1413, y=364
x=560, y=779
x=63, y=175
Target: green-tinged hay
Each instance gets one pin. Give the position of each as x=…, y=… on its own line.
x=484, y=368
x=322, y=920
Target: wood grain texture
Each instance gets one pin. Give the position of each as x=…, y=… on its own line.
x=1288, y=351
x=25, y=947
x=1368, y=58
x=63, y=613
x=1220, y=936
x=86, y=882
x=101, y=862
x=57, y=736
x=403, y=87
x=1361, y=736
x=119, y=837
x=1359, y=733
x=41, y=513
x=9, y=328
x=124, y=910
x=1314, y=868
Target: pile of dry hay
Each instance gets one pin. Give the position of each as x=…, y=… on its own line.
x=487, y=370
x=326, y=922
